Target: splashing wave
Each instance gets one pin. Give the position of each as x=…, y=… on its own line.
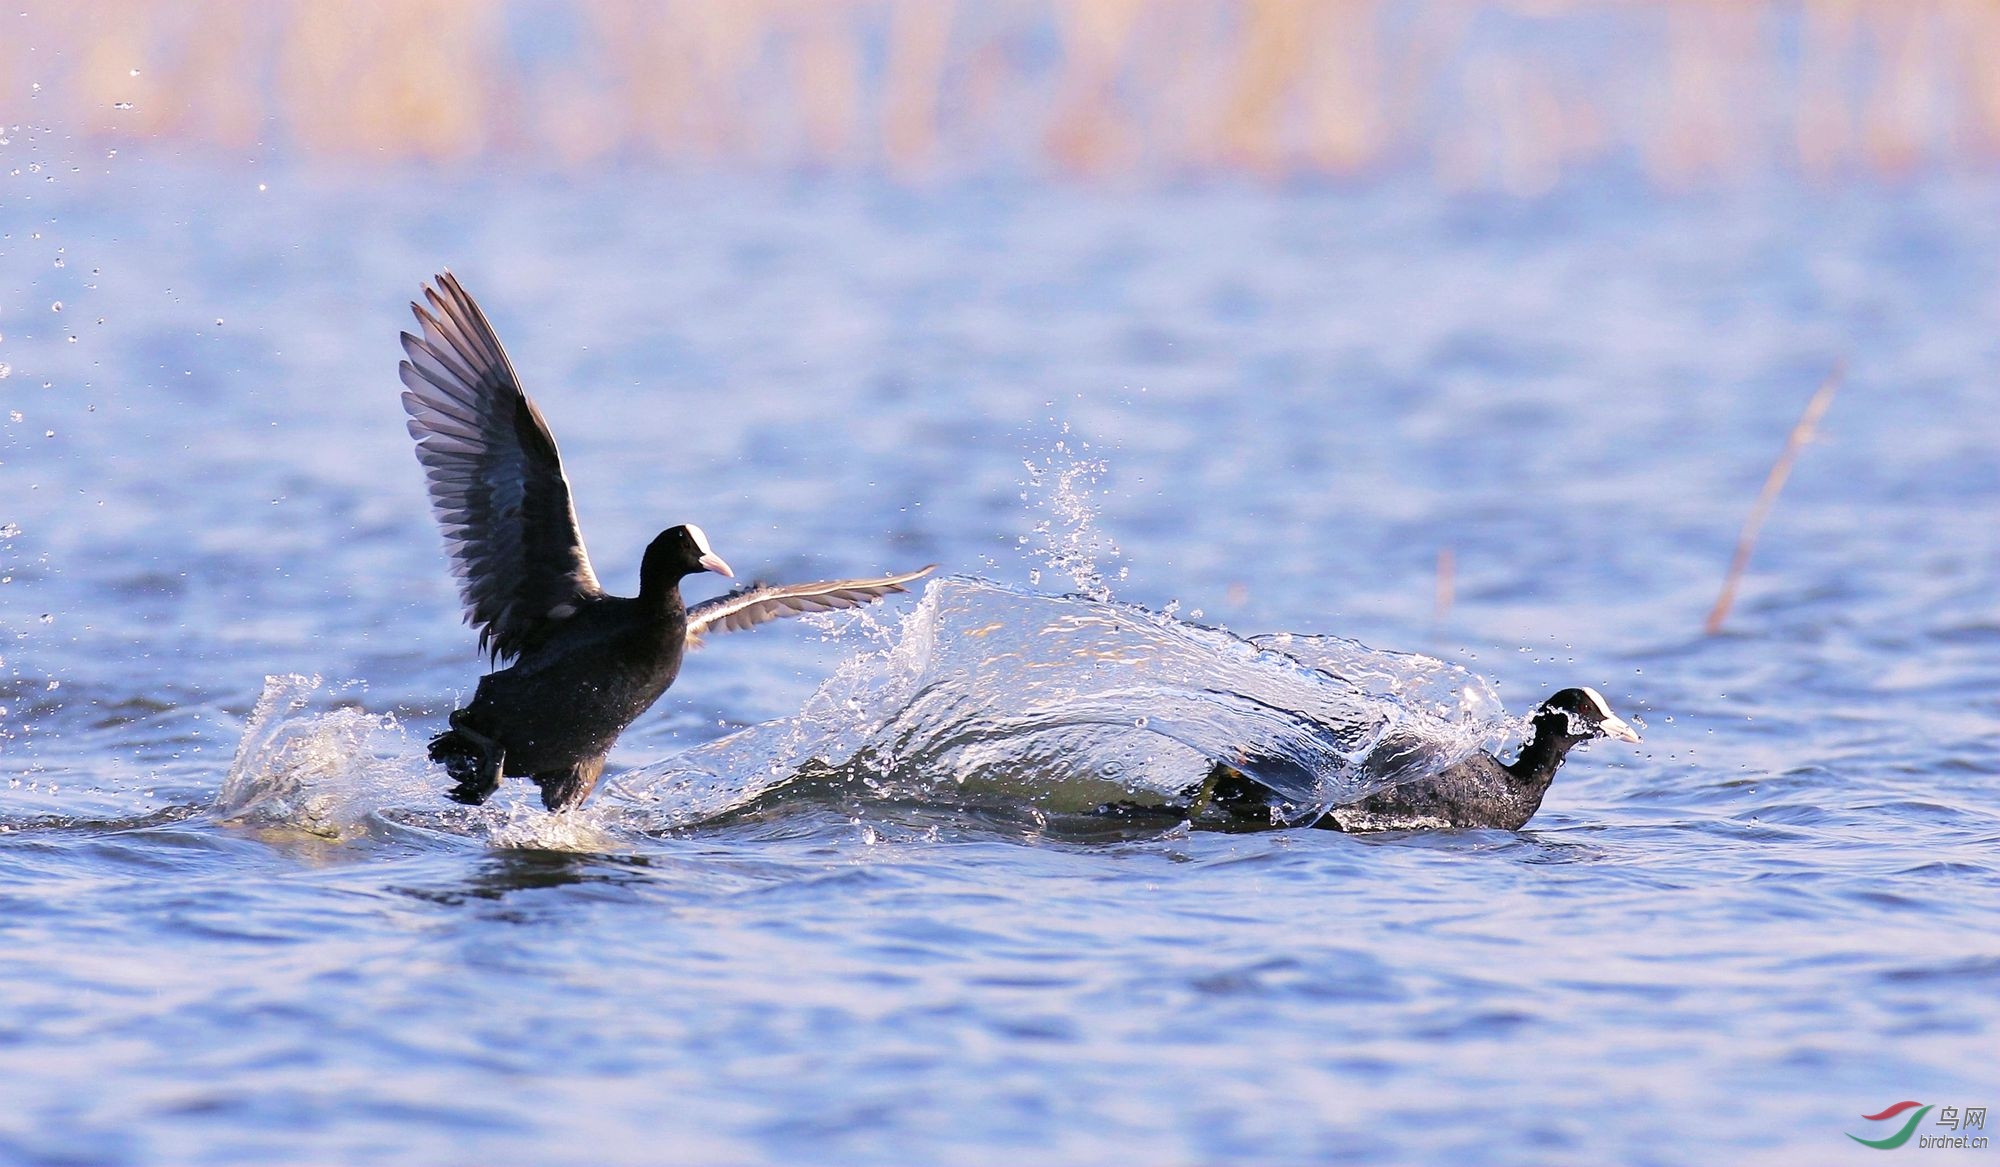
x=1068, y=701
x=345, y=775
x=1074, y=697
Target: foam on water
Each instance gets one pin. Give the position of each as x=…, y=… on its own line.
x=1070, y=699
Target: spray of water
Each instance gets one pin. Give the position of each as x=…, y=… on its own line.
x=1070, y=700
x=1062, y=488
x=1063, y=700
x=344, y=775
x=311, y=769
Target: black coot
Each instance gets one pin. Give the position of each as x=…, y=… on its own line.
x=1480, y=791
x=585, y=663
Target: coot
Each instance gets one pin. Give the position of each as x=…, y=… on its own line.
x=584, y=663
x=1480, y=791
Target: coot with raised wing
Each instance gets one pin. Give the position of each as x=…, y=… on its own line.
x=584, y=663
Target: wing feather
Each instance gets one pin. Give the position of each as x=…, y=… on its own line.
x=496, y=482
x=759, y=603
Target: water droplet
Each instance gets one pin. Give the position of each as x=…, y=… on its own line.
x=56, y=307
x=10, y=531
x=48, y=618
x=133, y=73
x=121, y=105
x=218, y=322
x=6, y=370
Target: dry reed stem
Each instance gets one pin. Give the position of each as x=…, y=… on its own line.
x=1774, y=482
x=1446, y=571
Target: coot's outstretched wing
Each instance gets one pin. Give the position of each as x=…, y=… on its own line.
x=747, y=607
x=496, y=482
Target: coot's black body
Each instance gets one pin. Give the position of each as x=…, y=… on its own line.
x=554, y=714
x=1480, y=791
x=585, y=663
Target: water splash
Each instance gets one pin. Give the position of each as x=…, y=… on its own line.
x=1436, y=688
x=1070, y=700
x=1064, y=489
x=344, y=774
x=322, y=772
x=1064, y=701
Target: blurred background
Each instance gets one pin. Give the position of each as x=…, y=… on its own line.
x=1509, y=95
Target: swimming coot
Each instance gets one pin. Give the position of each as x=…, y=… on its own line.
x=1480, y=791
x=584, y=663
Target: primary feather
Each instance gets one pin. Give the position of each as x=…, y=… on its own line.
x=496, y=481
x=751, y=606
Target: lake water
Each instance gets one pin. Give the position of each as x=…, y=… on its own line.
x=1268, y=409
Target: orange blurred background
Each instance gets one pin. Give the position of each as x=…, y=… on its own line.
x=1508, y=94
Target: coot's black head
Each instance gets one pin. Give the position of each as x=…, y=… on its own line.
x=1569, y=718
x=1580, y=715
x=675, y=553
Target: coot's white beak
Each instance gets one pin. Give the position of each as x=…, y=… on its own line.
x=1617, y=727
x=709, y=559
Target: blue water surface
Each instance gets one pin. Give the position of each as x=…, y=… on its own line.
x=1727, y=945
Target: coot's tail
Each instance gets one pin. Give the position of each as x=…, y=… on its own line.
x=465, y=758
